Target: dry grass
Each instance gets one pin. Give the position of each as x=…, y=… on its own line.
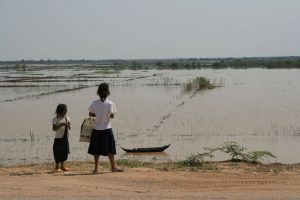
x=81, y=167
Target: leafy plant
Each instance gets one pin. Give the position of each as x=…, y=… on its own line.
x=237, y=153
x=235, y=150
x=257, y=156
x=198, y=159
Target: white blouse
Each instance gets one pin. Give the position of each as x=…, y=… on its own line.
x=59, y=133
x=102, y=110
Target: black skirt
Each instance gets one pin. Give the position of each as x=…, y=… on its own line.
x=102, y=142
x=61, y=149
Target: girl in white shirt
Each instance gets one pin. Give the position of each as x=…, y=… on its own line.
x=61, y=124
x=102, y=139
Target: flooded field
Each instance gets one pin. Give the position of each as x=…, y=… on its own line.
x=258, y=108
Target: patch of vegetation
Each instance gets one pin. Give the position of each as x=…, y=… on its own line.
x=133, y=163
x=197, y=160
x=233, y=149
x=237, y=153
x=199, y=83
x=258, y=156
x=192, y=163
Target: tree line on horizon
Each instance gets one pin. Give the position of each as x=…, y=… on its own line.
x=182, y=63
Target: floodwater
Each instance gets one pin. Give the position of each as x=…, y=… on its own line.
x=258, y=108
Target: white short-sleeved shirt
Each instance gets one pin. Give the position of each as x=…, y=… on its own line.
x=59, y=133
x=102, y=110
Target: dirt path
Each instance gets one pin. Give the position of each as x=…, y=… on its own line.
x=149, y=183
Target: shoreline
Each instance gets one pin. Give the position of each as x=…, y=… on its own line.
x=207, y=166
x=213, y=180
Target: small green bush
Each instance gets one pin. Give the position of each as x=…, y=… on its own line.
x=197, y=84
x=257, y=156
x=197, y=160
x=237, y=153
x=234, y=150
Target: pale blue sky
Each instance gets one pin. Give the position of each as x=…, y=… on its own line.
x=138, y=29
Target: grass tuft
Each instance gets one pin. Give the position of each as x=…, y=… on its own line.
x=199, y=83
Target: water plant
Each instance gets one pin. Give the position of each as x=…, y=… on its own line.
x=198, y=83
x=31, y=136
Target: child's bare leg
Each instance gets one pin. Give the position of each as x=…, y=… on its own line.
x=96, y=158
x=57, y=169
x=56, y=165
x=112, y=161
x=114, y=168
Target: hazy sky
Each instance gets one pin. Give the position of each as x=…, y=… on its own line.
x=137, y=29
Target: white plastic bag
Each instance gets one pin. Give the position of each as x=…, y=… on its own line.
x=86, y=129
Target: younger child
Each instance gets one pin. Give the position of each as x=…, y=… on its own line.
x=61, y=125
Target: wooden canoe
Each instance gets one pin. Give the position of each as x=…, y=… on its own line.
x=148, y=149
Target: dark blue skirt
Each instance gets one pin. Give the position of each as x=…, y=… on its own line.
x=61, y=149
x=102, y=143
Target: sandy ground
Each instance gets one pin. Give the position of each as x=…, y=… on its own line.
x=228, y=182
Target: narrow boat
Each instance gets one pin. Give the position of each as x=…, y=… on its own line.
x=148, y=149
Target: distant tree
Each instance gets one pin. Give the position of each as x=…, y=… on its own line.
x=174, y=65
x=187, y=66
x=193, y=64
x=159, y=64
x=216, y=65
x=135, y=65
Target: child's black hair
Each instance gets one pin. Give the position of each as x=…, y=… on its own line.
x=103, y=91
x=61, y=108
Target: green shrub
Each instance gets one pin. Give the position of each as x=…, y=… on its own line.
x=197, y=84
x=234, y=150
x=237, y=153
x=197, y=160
x=257, y=156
